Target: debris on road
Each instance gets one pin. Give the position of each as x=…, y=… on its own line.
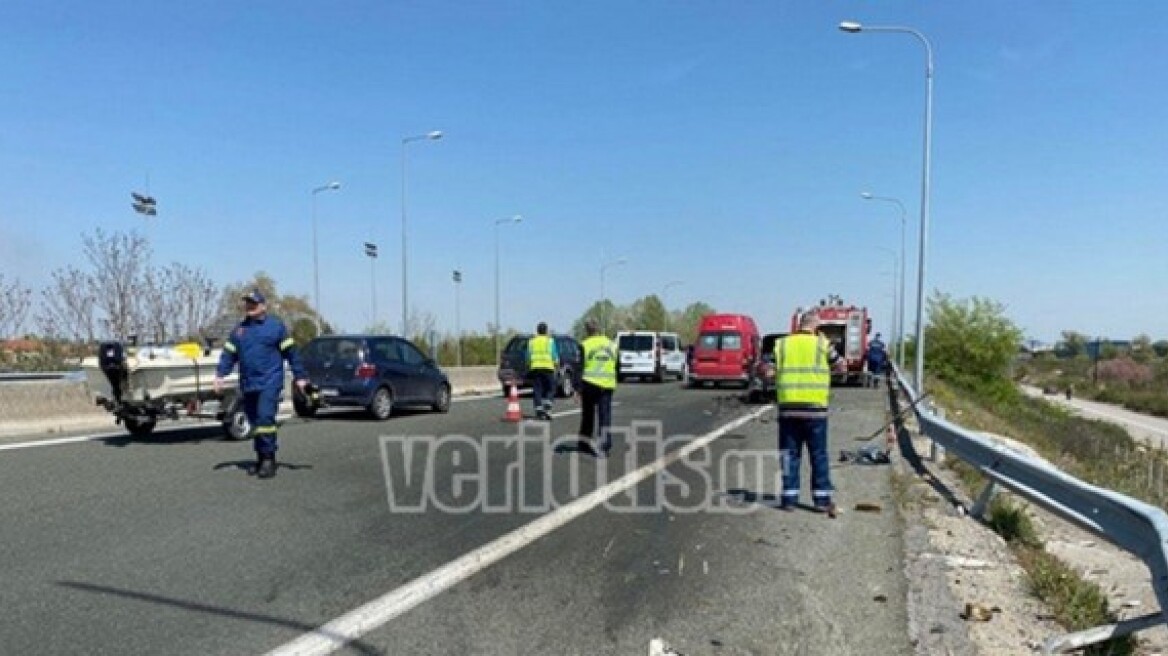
x=975, y=612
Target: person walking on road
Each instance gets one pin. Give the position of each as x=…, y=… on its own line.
x=597, y=384
x=543, y=360
x=803, y=364
x=260, y=344
x=877, y=360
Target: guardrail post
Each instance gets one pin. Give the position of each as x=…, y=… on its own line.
x=936, y=451
x=983, y=501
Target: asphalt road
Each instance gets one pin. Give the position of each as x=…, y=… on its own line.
x=167, y=545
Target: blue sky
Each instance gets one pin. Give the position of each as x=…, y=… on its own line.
x=724, y=144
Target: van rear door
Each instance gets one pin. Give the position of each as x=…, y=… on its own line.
x=719, y=354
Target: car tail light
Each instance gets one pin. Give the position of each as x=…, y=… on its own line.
x=367, y=371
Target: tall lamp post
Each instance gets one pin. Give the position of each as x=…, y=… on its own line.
x=457, y=277
x=603, y=316
x=899, y=335
x=498, y=222
x=371, y=253
x=664, y=290
x=895, y=326
x=332, y=186
x=919, y=347
x=432, y=136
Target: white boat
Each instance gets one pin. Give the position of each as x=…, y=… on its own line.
x=159, y=373
x=141, y=386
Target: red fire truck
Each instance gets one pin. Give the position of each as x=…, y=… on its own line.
x=847, y=327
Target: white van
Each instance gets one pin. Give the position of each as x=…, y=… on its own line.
x=650, y=354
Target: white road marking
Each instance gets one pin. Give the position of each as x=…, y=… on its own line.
x=93, y=437
x=361, y=620
x=206, y=423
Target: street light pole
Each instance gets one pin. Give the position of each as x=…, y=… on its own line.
x=919, y=346
x=671, y=283
x=515, y=219
x=900, y=314
x=435, y=135
x=603, y=316
x=892, y=257
x=332, y=186
x=457, y=276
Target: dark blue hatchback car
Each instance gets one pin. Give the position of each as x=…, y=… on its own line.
x=375, y=372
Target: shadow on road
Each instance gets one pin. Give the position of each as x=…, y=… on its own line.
x=250, y=465
x=359, y=646
x=192, y=435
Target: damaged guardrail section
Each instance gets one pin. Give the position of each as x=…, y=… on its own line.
x=1132, y=525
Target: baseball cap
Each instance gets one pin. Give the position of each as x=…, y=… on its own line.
x=255, y=296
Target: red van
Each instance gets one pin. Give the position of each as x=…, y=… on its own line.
x=726, y=349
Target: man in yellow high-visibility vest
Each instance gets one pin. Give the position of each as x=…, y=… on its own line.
x=597, y=384
x=803, y=363
x=543, y=360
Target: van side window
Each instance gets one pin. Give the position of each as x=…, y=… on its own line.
x=669, y=343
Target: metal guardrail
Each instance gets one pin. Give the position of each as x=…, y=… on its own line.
x=24, y=376
x=1135, y=526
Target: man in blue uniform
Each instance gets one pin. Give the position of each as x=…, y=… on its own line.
x=877, y=360
x=260, y=344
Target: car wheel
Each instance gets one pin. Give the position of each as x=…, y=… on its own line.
x=442, y=399
x=659, y=375
x=381, y=407
x=566, y=388
x=139, y=427
x=303, y=408
x=236, y=425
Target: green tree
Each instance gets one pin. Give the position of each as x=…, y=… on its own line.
x=648, y=313
x=295, y=311
x=1072, y=345
x=686, y=322
x=1160, y=347
x=970, y=343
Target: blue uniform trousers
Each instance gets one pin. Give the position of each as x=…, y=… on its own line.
x=794, y=434
x=261, y=407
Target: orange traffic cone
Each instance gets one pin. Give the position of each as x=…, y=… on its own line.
x=514, y=412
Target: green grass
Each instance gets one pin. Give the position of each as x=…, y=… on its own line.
x=1096, y=452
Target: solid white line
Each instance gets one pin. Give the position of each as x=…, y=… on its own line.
x=93, y=437
x=363, y=619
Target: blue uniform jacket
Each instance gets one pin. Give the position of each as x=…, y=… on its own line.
x=260, y=346
x=876, y=354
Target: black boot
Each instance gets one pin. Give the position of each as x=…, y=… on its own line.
x=267, y=468
x=255, y=468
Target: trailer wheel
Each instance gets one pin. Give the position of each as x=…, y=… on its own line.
x=236, y=425
x=139, y=427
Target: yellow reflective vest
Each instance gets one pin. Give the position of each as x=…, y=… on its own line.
x=600, y=362
x=802, y=372
x=539, y=350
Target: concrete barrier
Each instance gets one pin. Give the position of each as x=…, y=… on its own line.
x=52, y=406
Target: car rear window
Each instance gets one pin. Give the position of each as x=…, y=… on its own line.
x=517, y=344
x=333, y=349
x=636, y=343
x=724, y=340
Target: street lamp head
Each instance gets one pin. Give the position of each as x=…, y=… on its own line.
x=518, y=218
x=866, y=195
x=334, y=185
x=436, y=134
x=850, y=26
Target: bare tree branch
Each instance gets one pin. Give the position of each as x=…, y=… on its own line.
x=67, y=307
x=120, y=262
x=15, y=301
